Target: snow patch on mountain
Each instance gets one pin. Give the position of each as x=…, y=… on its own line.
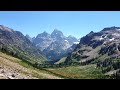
x=112, y=39
x=66, y=40
x=101, y=38
x=116, y=34
x=76, y=42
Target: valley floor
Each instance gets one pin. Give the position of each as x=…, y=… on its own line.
x=13, y=68
x=79, y=72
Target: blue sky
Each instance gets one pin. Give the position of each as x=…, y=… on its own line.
x=75, y=23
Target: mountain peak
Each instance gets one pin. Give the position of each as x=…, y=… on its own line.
x=45, y=32
x=70, y=36
x=91, y=32
x=111, y=28
x=56, y=34
x=27, y=36
x=55, y=30
x=4, y=28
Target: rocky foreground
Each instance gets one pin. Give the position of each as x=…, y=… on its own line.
x=10, y=68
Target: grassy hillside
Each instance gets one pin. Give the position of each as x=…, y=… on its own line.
x=62, y=60
x=17, y=45
x=78, y=72
x=13, y=68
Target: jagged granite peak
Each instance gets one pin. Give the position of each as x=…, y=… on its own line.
x=43, y=40
x=44, y=34
x=29, y=37
x=70, y=36
x=57, y=34
x=56, y=31
x=91, y=33
x=54, y=43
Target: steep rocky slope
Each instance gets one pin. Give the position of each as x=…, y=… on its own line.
x=102, y=48
x=16, y=44
x=54, y=45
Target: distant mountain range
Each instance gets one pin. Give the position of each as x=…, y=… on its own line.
x=54, y=45
x=99, y=48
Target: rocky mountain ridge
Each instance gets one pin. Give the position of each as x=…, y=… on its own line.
x=101, y=48
x=54, y=45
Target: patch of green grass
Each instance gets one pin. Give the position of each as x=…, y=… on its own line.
x=103, y=57
x=62, y=60
x=79, y=72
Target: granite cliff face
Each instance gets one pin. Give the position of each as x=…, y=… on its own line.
x=54, y=45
